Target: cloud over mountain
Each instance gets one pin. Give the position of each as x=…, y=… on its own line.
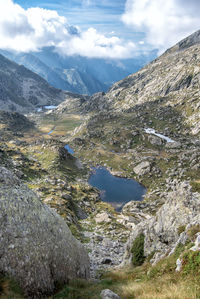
x=32, y=29
x=164, y=22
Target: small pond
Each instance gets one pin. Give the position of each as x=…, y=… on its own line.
x=116, y=190
x=69, y=149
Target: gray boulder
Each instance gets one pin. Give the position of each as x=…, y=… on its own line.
x=108, y=294
x=36, y=245
x=142, y=168
x=173, y=145
x=154, y=140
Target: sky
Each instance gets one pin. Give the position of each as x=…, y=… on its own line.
x=96, y=28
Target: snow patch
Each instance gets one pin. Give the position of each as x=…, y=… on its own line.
x=50, y=107
x=152, y=131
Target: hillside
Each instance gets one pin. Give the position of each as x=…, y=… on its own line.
x=22, y=90
x=172, y=81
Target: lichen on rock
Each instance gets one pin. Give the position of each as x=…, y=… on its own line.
x=36, y=245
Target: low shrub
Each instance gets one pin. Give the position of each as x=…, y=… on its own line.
x=181, y=229
x=191, y=262
x=192, y=231
x=138, y=250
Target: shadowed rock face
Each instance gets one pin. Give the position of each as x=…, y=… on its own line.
x=22, y=90
x=36, y=245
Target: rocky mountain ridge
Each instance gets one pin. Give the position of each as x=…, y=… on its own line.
x=22, y=90
x=172, y=80
x=78, y=74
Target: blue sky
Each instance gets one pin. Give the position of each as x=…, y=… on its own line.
x=104, y=15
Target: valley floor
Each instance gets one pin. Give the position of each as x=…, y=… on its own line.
x=60, y=179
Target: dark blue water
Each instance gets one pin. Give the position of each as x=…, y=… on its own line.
x=69, y=149
x=114, y=190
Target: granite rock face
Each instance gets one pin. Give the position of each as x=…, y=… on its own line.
x=36, y=245
x=182, y=208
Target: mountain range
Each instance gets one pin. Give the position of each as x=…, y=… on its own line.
x=75, y=73
x=22, y=90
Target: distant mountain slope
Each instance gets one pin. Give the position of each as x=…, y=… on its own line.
x=172, y=80
x=78, y=74
x=22, y=90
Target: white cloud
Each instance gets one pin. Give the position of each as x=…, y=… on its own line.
x=93, y=44
x=164, y=22
x=30, y=30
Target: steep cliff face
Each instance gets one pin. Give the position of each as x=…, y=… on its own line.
x=22, y=90
x=36, y=245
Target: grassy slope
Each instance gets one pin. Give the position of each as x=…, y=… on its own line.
x=143, y=282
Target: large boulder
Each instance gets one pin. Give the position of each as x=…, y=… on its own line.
x=142, y=168
x=108, y=294
x=154, y=140
x=36, y=245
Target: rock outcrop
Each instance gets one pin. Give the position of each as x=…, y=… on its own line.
x=36, y=245
x=162, y=231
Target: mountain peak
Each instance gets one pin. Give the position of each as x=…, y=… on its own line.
x=189, y=41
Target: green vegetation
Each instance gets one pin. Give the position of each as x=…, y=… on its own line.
x=181, y=229
x=195, y=186
x=138, y=250
x=62, y=126
x=9, y=288
x=192, y=231
x=191, y=263
x=146, y=281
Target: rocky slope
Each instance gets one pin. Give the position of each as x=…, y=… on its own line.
x=22, y=90
x=172, y=80
x=151, y=117
x=170, y=227
x=167, y=86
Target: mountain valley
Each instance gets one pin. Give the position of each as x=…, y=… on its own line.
x=147, y=128
x=78, y=74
